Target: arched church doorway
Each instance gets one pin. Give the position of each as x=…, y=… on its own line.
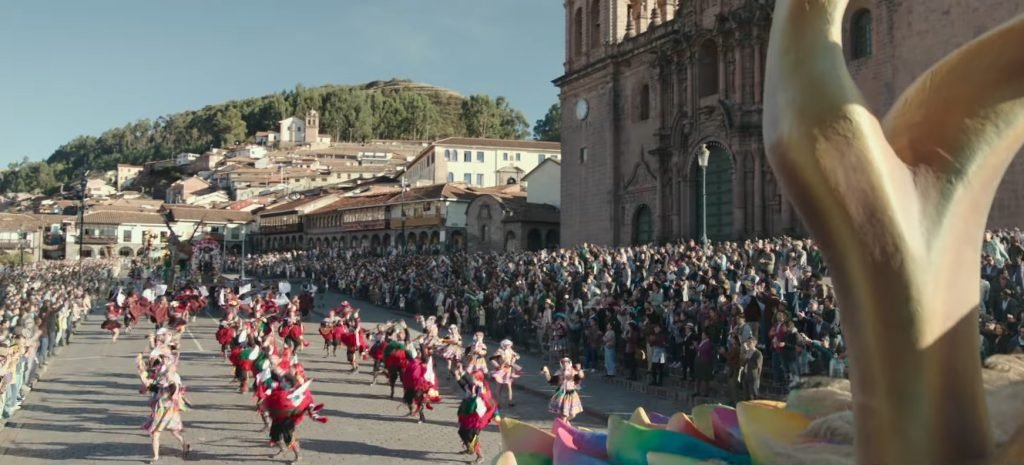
x=719, y=194
x=643, y=225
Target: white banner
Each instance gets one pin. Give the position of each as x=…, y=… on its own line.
x=244, y=289
x=204, y=291
x=284, y=286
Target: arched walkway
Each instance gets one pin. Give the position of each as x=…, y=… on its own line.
x=551, y=239
x=534, y=241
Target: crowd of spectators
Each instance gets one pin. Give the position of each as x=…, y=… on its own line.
x=643, y=310
x=41, y=305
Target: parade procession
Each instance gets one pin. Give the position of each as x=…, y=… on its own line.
x=739, y=232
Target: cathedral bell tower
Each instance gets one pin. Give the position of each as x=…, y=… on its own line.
x=312, y=127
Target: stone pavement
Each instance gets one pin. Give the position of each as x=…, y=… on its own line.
x=87, y=410
x=601, y=396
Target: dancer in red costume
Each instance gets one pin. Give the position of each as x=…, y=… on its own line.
x=395, y=356
x=113, y=320
x=330, y=324
x=289, y=402
x=419, y=383
x=291, y=330
x=354, y=338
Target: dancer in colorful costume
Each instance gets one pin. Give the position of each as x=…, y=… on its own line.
x=167, y=399
x=506, y=370
x=476, y=411
x=566, y=403
x=452, y=349
x=477, y=354
x=420, y=383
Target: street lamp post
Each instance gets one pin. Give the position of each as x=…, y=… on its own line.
x=405, y=240
x=243, y=253
x=81, y=217
x=702, y=160
x=22, y=239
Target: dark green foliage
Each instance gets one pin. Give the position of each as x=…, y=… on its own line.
x=550, y=128
x=395, y=109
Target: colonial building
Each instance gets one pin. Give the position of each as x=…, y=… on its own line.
x=184, y=190
x=126, y=174
x=280, y=226
x=508, y=222
x=478, y=162
x=650, y=84
x=227, y=227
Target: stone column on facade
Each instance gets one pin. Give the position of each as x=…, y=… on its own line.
x=758, y=67
x=721, y=70
x=613, y=102
x=737, y=72
x=787, y=211
x=738, y=205
x=758, y=157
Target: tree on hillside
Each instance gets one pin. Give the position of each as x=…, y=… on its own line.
x=228, y=127
x=550, y=127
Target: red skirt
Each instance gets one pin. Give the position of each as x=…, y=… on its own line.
x=225, y=335
x=327, y=333
x=111, y=325
x=355, y=341
x=377, y=351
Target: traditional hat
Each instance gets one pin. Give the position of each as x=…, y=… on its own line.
x=506, y=343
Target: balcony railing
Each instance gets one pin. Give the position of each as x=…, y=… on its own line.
x=100, y=240
x=14, y=244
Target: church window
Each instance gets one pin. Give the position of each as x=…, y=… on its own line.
x=577, y=39
x=467, y=156
x=467, y=178
x=451, y=177
x=645, y=102
x=447, y=155
x=595, y=24
x=860, y=30
x=479, y=179
x=707, y=77
x=583, y=155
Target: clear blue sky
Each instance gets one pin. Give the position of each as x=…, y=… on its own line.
x=76, y=67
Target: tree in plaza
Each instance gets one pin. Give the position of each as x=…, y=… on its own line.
x=899, y=207
x=550, y=127
x=485, y=117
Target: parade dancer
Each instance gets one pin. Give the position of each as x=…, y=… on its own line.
x=477, y=353
x=327, y=329
x=113, y=321
x=566, y=402
x=395, y=357
x=377, y=344
x=291, y=330
x=452, y=349
x=505, y=369
x=289, y=402
x=228, y=328
x=476, y=411
x=412, y=378
x=354, y=338
x=167, y=401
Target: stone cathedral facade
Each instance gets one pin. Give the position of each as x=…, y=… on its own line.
x=648, y=83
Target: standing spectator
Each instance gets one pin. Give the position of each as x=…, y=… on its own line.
x=704, y=365
x=658, y=343
x=750, y=375
x=609, y=351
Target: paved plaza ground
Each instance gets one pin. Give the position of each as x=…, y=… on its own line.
x=87, y=408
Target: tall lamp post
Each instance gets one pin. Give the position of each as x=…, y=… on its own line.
x=702, y=160
x=405, y=240
x=22, y=243
x=243, y=253
x=81, y=215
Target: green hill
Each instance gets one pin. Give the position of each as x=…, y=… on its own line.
x=394, y=109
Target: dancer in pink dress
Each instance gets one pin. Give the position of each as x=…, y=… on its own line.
x=505, y=369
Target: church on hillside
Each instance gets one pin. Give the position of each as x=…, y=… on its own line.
x=296, y=131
